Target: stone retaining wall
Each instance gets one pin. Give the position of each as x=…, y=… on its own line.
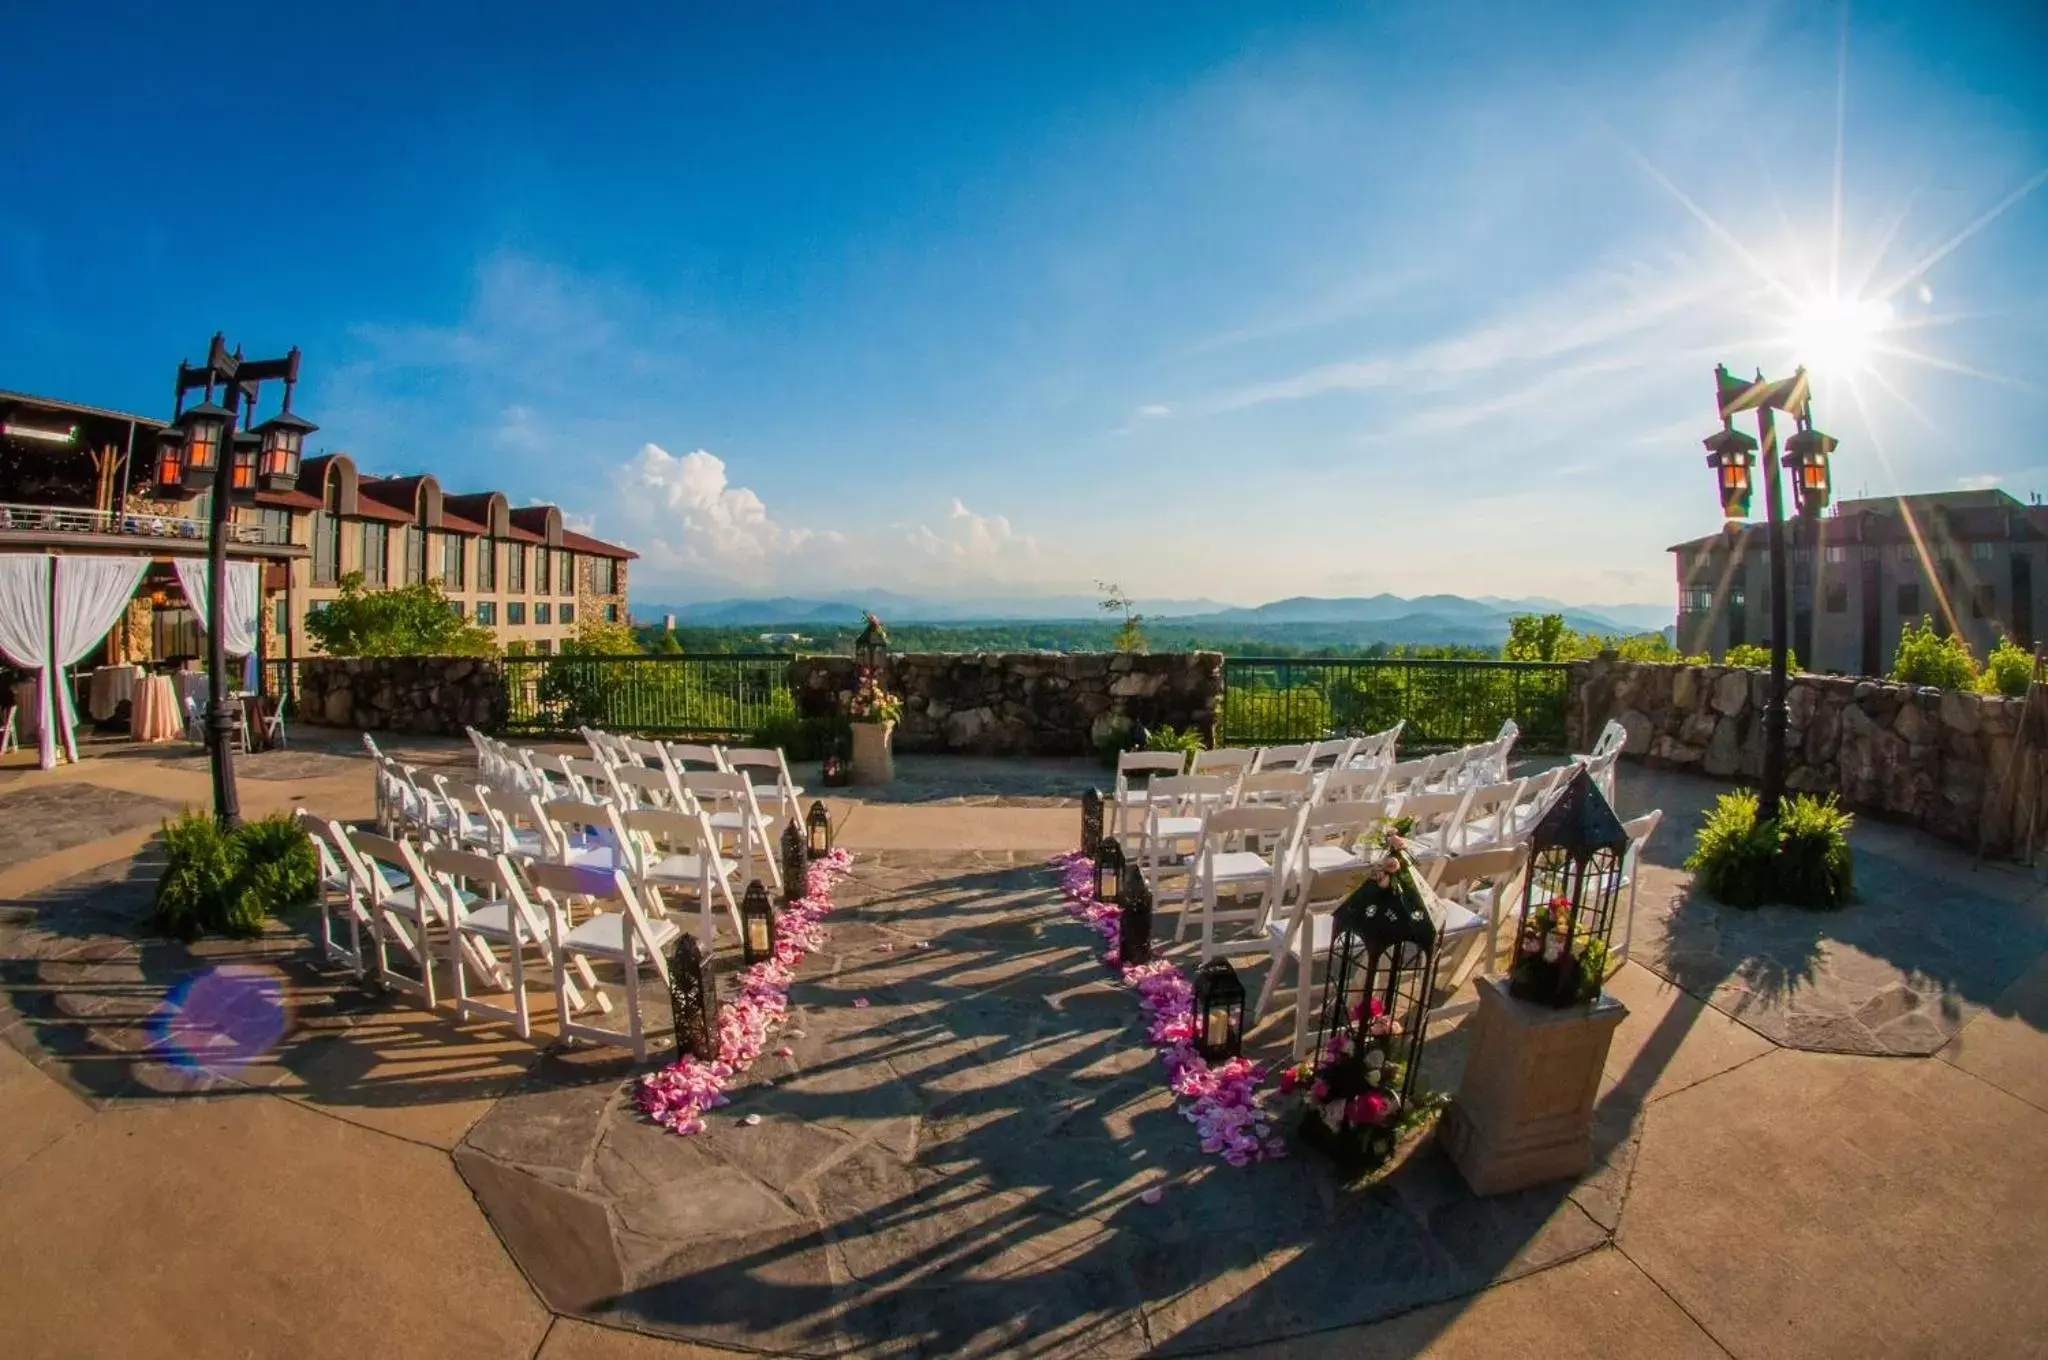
x=429, y=694
x=1024, y=703
x=1939, y=759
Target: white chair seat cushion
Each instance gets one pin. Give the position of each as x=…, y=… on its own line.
x=492, y=918
x=772, y=793
x=605, y=933
x=1459, y=919
x=1172, y=828
x=683, y=869
x=1325, y=859
x=527, y=843
x=733, y=821
x=1237, y=866
x=593, y=857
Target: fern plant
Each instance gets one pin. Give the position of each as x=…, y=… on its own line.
x=1801, y=857
x=1925, y=657
x=1813, y=867
x=219, y=882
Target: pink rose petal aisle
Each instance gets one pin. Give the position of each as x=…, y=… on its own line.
x=677, y=1096
x=1224, y=1102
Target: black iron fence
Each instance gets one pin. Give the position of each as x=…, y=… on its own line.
x=1443, y=703
x=719, y=698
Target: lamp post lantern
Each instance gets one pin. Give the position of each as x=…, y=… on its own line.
x=208, y=452
x=1733, y=457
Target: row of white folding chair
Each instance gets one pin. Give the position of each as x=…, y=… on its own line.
x=766, y=768
x=728, y=798
x=1135, y=770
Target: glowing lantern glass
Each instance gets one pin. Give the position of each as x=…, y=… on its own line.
x=818, y=826
x=284, y=443
x=693, y=1000
x=242, y=467
x=1574, y=881
x=1732, y=456
x=1806, y=458
x=1219, y=1011
x=1134, y=920
x=757, y=925
x=1091, y=823
x=795, y=868
x=1379, y=980
x=170, y=461
x=1109, y=872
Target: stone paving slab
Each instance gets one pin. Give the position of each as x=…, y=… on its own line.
x=36, y=821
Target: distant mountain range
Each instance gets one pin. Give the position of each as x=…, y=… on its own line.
x=1369, y=618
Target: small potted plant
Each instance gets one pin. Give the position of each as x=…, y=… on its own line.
x=874, y=712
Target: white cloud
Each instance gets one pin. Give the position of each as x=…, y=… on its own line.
x=1979, y=481
x=1155, y=411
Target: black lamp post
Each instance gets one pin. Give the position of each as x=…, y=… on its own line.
x=209, y=452
x=1733, y=457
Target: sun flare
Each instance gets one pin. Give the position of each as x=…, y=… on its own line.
x=1839, y=335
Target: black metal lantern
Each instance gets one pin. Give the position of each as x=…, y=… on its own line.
x=170, y=461
x=248, y=451
x=284, y=443
x=1574, y=881
x=693, y=999
x=1109, y=872
x=1806, y=458
x=203, y=427
x=871, y=649
x=757, y=925
x=819, y=828
x=1091, y=823
x=795, y=865
x=1379, y=980
x=1732, y=456
x=1134, y=920
x=1219, y=1011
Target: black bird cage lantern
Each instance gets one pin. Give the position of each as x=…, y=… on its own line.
x=283, y=439
x=1573, y=884
x=1109, y=872
x=795, y=864
x=1134, y=920
x=871, y=648
x=757, y=925
x=818, y=828
x=1219, y=1011
x=170, y=461
x=1380, y=976
x=1732, y=456
x=248, y=451
x=1806, y=458
x=1091, y=823
x=693, y=999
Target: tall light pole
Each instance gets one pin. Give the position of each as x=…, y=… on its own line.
x=203, y=440
x=1733, y=457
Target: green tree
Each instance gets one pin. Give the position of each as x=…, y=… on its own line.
x=2008, y=670
x=1757, y=655
x=1130, y=637
x=412, y=620
x=1542, y=637
x=1925, y=657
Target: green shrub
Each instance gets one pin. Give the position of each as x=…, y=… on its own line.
x=1113, y=742
x=2008, y=670
x=1813, y=867
x=1755, y=654
x=1927, y=658
x=217, y=883
x=1168, y=739
x=1801, y=858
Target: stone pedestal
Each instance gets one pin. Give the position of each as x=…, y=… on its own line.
x=873, y=762
x=1524, y=1112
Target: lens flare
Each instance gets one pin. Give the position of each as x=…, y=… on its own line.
x=223, y=1019
x=1839, y=335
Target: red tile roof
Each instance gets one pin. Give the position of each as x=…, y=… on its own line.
x=288, y=500
x=595, y=547
x=456, y=524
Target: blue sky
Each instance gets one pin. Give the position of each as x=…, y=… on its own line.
x=1206, y=298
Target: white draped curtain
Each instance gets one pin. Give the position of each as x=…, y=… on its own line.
x=92, y=593
x=25, y=628
x=244, y=602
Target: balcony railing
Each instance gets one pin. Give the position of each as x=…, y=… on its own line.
x=54, y=519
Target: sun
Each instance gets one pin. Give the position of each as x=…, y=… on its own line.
x=1839, y=334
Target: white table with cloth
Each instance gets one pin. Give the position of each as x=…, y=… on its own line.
x=156, y=714
x=111, y=687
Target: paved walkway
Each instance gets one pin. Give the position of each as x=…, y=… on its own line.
x=956, y=1167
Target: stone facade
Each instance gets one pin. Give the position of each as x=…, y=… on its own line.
x=436, y=694
x=1025, y=703
x=1942, y=760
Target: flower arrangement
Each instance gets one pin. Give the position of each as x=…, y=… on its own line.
x=871, y=703
x=1540, y=968
x=1223, y=1102
x=677, y=1096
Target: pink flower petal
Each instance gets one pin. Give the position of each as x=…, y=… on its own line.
x=1152, y=1194
x=860, y=1003
x=751, y=1120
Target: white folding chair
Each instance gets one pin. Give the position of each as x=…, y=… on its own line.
x=682, y=755
x=273, y=723
x=1334, y=754
x=647, y=786
x=456, y=823
x=1337, y=836
x=1230, y=862
x=1406, y=777
x=1175, y=809
x=728, y=800
x=1613, y=737
x=777, y=793
x=590, y=781
x=401, y=913
x=1300, y=937
x=9, y=740
x=1639, y=830
x=651, y=755
x=1135, y=770
x=1377, y=748
x=623, y=936
x=583, y=833
x=519, y=828
x=1289, y=758
x=1486, y=883
x=1602, y=768
x=340, y=889
x=1274, y=788
x=673, y=850
x=1437, y=820
x=1352, y=785
x=1488, y=816
x=494, y=922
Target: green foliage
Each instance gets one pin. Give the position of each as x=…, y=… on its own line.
x=2008, y=670
x=595, y=637
x=1802, y=857
x=412, y=620
x=797, y=738
x=1297, y=713
x=1130, y=637
x=1927, y=658
x=1652, y=647
x=229, y=884
x=1757, y=655
x=1167, y=739
x=1541, y=637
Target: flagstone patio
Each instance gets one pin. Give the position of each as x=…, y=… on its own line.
x=959, y=1166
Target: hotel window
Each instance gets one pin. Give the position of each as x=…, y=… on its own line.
x=1983, y=600
x=568, y=613
x=275, y=524
x=515, y=612
x=1737, y=597
x=1698, y=601
x=455, y=608
x=487, y=564
x=376, y=553
x=543, y=613
x=565, y=572
x=611, y=613
x=1909, y=600
x=1837, y=600
x=415, y=554
x=542, y=559
x=327, y=541
x=453, y=548
x=604, y=576
x=486, y=612
x=1838, y=555
x=280, y=618
x=515, y=568
x=1980, y=552
x=545, y=646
